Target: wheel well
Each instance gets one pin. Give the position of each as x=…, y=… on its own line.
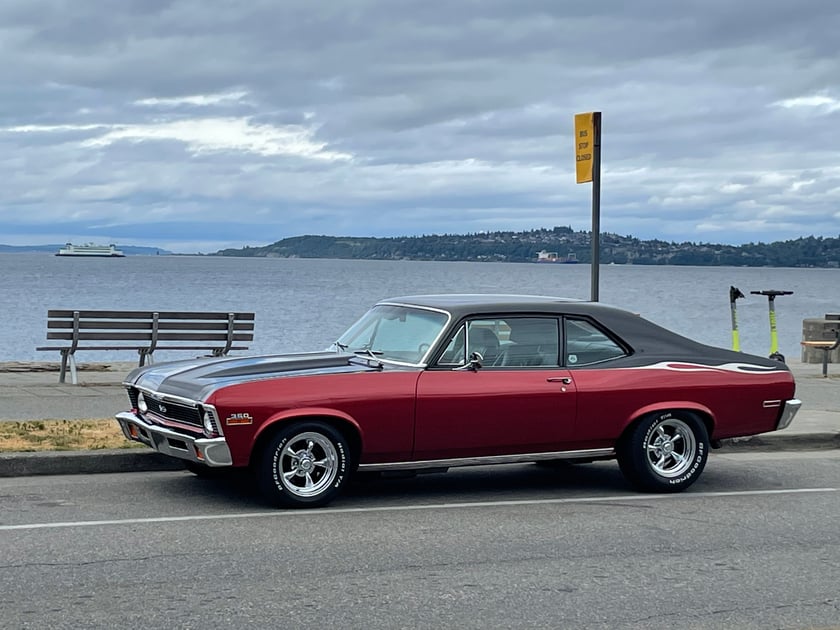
x=350, y=433
x=702, y=416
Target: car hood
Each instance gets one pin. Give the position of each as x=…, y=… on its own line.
x=197, y=379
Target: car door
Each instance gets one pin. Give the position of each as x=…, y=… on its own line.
x=519, y=401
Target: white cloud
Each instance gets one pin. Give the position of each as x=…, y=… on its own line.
x=200, y=100
x=819, y=102
x=206, y=135
x=226, y=134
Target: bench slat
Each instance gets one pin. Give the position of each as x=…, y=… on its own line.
x=195, y=347
x=140, y=336
x=148, y=315
x=147, y=325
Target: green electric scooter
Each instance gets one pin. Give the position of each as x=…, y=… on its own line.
x=735, y=294
x=774, y=337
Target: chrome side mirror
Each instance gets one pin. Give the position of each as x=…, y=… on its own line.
x=475, y=362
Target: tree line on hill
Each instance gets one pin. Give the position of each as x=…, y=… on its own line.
x=809, y=251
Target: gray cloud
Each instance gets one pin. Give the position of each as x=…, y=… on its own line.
x=162, y=120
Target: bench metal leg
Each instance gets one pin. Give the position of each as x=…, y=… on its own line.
x=68, y=357
x=63, y=371
x=825, y=361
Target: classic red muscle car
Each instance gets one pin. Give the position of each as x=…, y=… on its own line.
x=448, y=380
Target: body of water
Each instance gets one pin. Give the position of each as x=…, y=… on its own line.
x=304, y=304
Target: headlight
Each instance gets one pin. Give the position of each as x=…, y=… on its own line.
x=209, y=423
x=141, y=403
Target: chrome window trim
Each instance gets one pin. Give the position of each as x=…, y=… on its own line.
x=433, y=346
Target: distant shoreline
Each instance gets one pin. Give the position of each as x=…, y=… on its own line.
x=807, y=252
x=526, y=246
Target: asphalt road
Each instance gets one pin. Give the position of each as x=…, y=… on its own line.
x=754, y=544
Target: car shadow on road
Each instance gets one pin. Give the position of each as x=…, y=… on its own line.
x=237, y=489
x=490, y=483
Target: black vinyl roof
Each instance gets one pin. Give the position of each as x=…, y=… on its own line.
x=646, y=339
x=460, y=304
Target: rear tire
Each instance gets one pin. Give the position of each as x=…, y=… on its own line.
x=665, y=452
x=305, y=465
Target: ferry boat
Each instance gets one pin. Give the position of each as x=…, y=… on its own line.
x=552, y=257
x=89, y=249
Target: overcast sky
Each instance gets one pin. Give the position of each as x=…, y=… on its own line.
x=199, y=124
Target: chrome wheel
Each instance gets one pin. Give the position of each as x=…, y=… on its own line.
x=664, y=451
x=671, y=448
x=308, y=464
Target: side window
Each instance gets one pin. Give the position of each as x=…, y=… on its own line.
x=483, y=336
x=586, y=344
x=479, y=335
x=529, y=342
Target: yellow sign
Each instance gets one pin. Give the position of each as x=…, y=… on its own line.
x=584, y=146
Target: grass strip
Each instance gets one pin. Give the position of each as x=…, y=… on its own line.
x=62, y=435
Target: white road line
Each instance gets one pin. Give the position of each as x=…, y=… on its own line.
x=403, y=508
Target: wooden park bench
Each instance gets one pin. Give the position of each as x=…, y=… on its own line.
x=145, y=332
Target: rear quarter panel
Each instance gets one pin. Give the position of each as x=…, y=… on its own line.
x=737, y=400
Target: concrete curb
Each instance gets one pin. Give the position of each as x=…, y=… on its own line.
x=817, y=441
x=121, y=461
x=84, y=462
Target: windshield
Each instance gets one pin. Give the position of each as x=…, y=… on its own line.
x=396, y=333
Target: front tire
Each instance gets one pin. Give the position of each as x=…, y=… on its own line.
x=665, y=452
x=304, y=465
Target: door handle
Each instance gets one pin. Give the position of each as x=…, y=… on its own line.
x=566, y=380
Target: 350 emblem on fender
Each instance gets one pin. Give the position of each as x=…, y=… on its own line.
x=239, y=418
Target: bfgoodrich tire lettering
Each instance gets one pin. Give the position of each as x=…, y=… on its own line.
x=306, y=464
x=665, y=452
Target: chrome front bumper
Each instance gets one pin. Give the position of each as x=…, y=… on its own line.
x=788, y=412
x=208, y=451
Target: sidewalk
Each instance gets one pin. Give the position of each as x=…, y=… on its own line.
x=31, y=391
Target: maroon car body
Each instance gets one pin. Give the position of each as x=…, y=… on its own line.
x=440, y=381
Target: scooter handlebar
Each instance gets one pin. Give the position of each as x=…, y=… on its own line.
x=772, y=292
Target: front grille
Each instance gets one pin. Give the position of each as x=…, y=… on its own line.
x=175, y=411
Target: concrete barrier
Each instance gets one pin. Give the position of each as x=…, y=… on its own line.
x=820, y=329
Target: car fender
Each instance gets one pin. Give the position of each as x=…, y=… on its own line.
x=684, y=405
x=340, y=418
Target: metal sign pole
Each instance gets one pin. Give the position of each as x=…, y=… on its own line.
x=596, y=206
x=588, y=169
